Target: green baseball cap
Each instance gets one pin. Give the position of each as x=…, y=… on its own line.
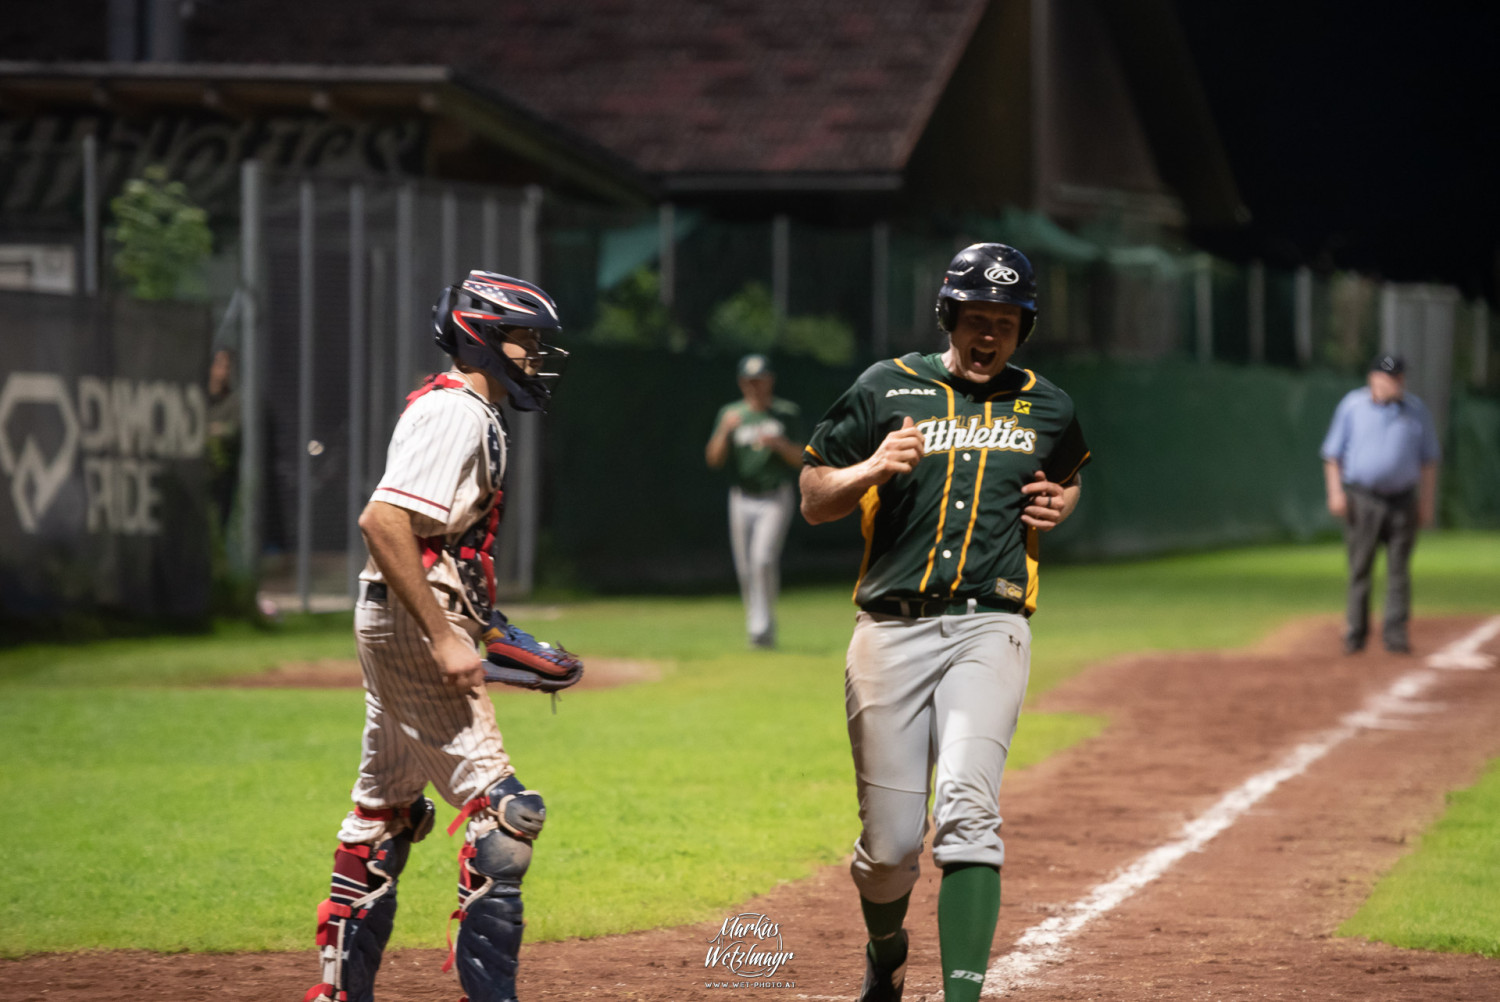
x=755, y=367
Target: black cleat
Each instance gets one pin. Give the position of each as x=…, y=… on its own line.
x=1353, y=646
x=883, y=984
x=1398, y=647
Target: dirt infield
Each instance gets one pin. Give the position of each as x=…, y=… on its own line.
x=1251, y=916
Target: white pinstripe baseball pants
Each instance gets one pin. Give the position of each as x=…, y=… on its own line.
x=418, y=728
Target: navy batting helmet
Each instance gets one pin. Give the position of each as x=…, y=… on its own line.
x=473, y=319
x=994, y=273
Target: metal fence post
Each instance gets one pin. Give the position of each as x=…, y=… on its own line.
x=251, y=429
x=1203, y=308
x=531, y=241
x=378, y=406
x=305, y=444
x=880, y=289
x=1480, y=374
x=358, y=344
x=489, y=233
x=528, y=429
x=666, y=222
x=1304, y=315
x=90, y=215
x=1256, y=290
x=1388, y=318
x=406, y=212
x=449, y=236
x=781, y=268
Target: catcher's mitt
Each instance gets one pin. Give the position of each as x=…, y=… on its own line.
x=517, y=658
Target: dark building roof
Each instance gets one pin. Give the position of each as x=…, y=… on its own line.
x=676, y=86
x=1075, y=108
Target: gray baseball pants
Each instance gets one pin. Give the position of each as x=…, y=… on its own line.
x=937, y=693
x=757, y=530
x=1373, y=519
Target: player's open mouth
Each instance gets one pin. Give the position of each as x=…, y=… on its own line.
x=980, y=359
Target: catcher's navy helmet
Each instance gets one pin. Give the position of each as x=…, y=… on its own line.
x=472, y=319
x=994, y=273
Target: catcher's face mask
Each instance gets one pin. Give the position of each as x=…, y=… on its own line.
x=496, y=324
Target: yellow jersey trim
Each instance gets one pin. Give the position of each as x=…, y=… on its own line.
x=1064, y=481
x=943, y=510
x=869, y=504
x=814, y=452
x=907, y=368
x=1033, y=567
x=963, y=555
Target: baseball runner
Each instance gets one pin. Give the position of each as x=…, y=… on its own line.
x=760, y=438
x=956, y=462
x=427, y=599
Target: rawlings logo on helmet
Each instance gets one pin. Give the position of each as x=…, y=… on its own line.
x=988, y=272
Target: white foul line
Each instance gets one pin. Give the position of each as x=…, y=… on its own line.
x=1045, y=943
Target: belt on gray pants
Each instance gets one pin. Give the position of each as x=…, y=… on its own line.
x=913, y=608
x=1395, y=497
x=376, y=593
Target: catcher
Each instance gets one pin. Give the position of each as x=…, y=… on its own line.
x=427, y=601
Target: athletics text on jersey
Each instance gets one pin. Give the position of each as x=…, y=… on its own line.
x=951, y=529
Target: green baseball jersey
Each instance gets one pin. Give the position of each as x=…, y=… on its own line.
x=752, y=465
x=951, y=529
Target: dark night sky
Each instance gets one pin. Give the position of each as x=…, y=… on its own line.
x=1362, y=135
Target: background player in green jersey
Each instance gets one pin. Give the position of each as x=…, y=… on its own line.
x=760, y=438
x=956, y=461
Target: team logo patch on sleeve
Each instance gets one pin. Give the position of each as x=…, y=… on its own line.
x=1023, y=407
x=1006, y=589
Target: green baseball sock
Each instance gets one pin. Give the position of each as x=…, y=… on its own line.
x=968, y=908
x=884, y=922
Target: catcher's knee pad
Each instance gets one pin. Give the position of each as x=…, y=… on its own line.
x=493, y=863
x=518, y=810
x=355, y=922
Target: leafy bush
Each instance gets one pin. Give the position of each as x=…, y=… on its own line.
x=827, y=339
x=163, y=237
x=633, y=314
x=746, y=321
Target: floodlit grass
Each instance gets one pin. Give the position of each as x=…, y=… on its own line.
x=1443, y=896
x=232, y=648
x=161, y=816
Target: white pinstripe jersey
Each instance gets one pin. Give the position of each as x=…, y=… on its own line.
x=445, y=464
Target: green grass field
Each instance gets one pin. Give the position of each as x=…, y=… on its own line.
x=1442, y=897
x=161, y=813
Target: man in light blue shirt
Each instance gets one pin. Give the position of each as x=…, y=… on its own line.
x=1380, y=461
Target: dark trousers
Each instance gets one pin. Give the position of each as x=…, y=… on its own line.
x=1374, y=519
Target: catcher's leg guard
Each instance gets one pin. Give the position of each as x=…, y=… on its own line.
x=355, y=922
x=492, y=863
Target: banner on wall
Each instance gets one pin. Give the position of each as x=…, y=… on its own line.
x=103, y=477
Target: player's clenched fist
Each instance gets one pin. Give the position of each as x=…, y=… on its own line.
x=459, y=662
x=899, y=452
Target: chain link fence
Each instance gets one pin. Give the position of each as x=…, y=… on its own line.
x=324, y=286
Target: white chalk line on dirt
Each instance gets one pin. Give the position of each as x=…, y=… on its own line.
x=1045, y=943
